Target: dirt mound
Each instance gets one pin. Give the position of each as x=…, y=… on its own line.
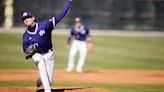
x=15, y=89
x=89, y=76
x=123, y=76
x=74, y=89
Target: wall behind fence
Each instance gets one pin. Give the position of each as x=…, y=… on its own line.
x=101, y=14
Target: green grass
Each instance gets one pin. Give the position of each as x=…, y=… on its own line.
x=113, y=87
x=118, y=52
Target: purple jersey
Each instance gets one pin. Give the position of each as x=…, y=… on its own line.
x=40, y=34
x=80, y=34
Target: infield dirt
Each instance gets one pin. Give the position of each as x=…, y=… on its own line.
x=113, y=76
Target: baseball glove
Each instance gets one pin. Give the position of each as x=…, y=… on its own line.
x=30, y=51
x=90, y=46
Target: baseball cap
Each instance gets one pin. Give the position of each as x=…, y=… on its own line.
x=27, y=15
x=77, y=19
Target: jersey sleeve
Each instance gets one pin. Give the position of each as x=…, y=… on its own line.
x=25, y=44
x=60, y=16
x=88, y=31
x=50, y=23
x=70, y=37
x=72, y=31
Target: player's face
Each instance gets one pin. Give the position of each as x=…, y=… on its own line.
x=29, y=21
x=78, y=23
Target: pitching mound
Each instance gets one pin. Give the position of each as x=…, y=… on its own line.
x=74, y=89
x=91, y=76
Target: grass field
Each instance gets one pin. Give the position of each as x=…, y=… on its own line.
x=110, y=52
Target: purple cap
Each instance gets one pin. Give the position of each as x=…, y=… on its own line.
x=27, y=14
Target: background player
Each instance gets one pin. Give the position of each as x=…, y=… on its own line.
x=81, y=34
x=38, y=46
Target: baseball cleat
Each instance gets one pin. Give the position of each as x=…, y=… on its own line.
x=69, y=69
x=38, y=83
x=79, y=70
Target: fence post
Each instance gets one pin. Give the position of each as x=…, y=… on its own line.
x=8, y=14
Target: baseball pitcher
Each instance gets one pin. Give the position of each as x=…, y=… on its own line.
x=81, y=34
x=38, y=46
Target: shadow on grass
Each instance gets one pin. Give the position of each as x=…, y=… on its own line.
x=62, y=89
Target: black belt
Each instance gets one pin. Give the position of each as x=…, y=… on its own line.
x=50, y=49
x=47, y=51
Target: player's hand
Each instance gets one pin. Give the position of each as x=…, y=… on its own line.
x=90, y=46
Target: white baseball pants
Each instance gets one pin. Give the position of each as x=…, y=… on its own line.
x=45, y=64
x=80, y=46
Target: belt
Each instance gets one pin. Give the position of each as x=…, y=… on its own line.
x=50, y=50
x=80, y=40
x=47, y=51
